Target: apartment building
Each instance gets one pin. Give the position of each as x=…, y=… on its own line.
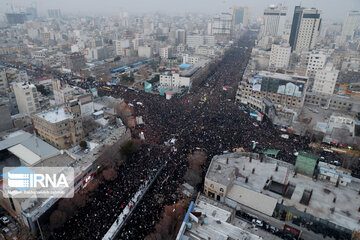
x=325, y=80
x=274, y=20
x=26, y=97
x=317, y=60
x=60, y=126
x=280, y=56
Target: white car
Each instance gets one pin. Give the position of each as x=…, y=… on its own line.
x=5, y=230
x=257, y=222
x=5, y=220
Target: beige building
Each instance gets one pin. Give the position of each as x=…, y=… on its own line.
x=26, y=98
x=60, y=126
x=325, y=80
x=280, y=56
x=282, y=89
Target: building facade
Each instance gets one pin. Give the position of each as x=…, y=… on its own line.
x=280, y=56
x=305, y=29
x=317, y=60
x=274, y=20
x=283, y=90
x=240, y=16
x=325, y=80
x=27, y=98
x=60, y=126
x=351, y=23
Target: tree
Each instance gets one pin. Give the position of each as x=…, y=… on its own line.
x=110, y=174
x=144, y=74
x=155, y=79
x=83, y=145
x=57, y=219
x=196, y=160
x=42, y=90
x=127, y=149
x=127, y=78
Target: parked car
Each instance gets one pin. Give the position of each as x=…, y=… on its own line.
x=5, y=220
x=257, y=222
x=5, y=230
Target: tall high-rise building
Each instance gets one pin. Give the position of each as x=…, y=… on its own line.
x=54, y=13
x=180, y=36
x=305, y=29
x=240, y=16
x=351, y=23
x=31, y=13
x=274, y=20
x=15, y=18
x=221, y=24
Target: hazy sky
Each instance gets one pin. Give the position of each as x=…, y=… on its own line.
x=334, y=9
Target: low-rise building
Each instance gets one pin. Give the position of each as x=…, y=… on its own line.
x=207, y=219
x=60, y=126
x=265, y=186
x=282, y=89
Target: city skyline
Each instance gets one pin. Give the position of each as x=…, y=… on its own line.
x=110, y=7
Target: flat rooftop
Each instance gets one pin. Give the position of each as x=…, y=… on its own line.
x=281, y=76
x=55, y=115
x=215, y=222
x=27, y=147
x=345, y=208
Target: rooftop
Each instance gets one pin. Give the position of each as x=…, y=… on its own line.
x=281, y=76
x=27, y=147
x=273, y=172
x=214, y=222
x=55, y=115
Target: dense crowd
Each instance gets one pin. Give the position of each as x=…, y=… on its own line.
x=206, y=119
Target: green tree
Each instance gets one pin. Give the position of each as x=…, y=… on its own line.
x=155, y=79
x=83, y=145
x=42, y=90
x=127, y=149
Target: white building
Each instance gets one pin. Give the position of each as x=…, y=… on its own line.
x=209, y=40
x=221, y=24
x=61, y=95
x=120, y=45
x=305, y=29
x=206, y=51
x=274, y=20
x=325, y=80
x=351, y=23
x=144, y=51
x=194, y=41
x=26, y=98
x=165, y=52
x=317, y=60
x=174, y=81
x=280, y=56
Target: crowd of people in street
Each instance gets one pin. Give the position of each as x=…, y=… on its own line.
x=206, y=119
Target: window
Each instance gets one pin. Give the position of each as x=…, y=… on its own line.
x=221, y=190
x=212, y=185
